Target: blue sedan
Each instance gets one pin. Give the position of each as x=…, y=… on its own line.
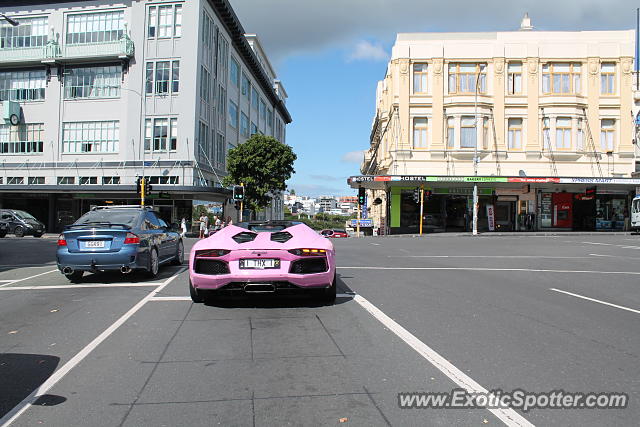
x=118, y=238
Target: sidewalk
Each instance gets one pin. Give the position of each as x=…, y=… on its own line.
x=514, y=233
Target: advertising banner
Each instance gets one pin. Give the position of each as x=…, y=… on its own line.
x=491, y=218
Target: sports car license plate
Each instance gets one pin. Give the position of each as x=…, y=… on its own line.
x=259, y=263
x=94, y=244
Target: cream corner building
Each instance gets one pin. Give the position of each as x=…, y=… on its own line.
x=527, y=103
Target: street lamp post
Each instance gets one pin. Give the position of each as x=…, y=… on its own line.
x=475, y=157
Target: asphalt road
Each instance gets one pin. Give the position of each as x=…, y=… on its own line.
x=413, y=315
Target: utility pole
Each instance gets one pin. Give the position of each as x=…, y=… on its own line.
x=242, y=203
x=143, y=184
x=475, y=157
x=358, y=222
x=421, y=205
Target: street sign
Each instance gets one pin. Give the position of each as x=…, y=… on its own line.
x=363, y=223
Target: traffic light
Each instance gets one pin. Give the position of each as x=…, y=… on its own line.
x=238, y=192
x=147, y=187
x=427, y=194
x=237, y=206
x=138, y=185
x=416, y=195
x=361, y=196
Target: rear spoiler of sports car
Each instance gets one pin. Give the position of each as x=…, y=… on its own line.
x=98, y=225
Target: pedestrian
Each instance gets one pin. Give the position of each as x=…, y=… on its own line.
x=229, y=221
x=183, y=226
x=218, y=223
x=204, y=223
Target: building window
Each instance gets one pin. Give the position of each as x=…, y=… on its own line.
x=468, y=137
x=165, y=21
x=36, y=180
x=514, y=138
x=161, y=135
x=88, y=180
x=420, y=132
x=254, y=128
x=607, y=134
x=561, y=78
x=164, y=180
x=254, y=98
x=223, y=55
x=514, y=78
x=233, y=114
x=563, y=133
x=110, y=180
x=22, y=85
x=485, y=132
x=100, y=27
x=220, y=151
x=462, y=78
x=244, y=125
x=263, y=112
x=222, y=107
x=164, y=76
x=234, y=72
x=451, y=132
x=580, y=139
x=546, y=135
x=15, y=180
x=419, y=78
x=608, y=79
x=245, y=85
x=90, y=137
x=32, y=32
x=270, y=120
x=66, y=180
x=92, y=82
x=21, y=139
x=205, y=78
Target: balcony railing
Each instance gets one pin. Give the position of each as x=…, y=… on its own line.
x=53, y=52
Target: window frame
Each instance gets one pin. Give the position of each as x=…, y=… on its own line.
x=174, y=23
x=480, y=68
x=234, y=115
x=26, y=138
x=608, y=132
x=563, y=130
x=421, y=77
x=75, y=78
x=463, y=126
x=35, y=79
x=154, y=85
x=420, y=133
x=514, y=77
x=79, y=38
x=573, y=76
x=512, y=131
x=608, y=79
x=168, y=140
x=90, y=134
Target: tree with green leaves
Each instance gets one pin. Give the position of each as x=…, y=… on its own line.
x=263, y=164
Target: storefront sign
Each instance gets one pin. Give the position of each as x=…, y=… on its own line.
x=507, y=198
x=467, y=191
x=545, y=209
x=363, y=223
x=524, y=180
x=491, y=217
x=584, y=197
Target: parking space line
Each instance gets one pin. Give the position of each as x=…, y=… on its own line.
x=19, y=409
x=527, y=270
x=27, y=278
x=596, y=300
x=79, y=286
x=508, y=416
x=171, y=299
x=487, y=256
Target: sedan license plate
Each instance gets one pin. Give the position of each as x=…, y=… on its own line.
x=259, y=263
x=94, y=244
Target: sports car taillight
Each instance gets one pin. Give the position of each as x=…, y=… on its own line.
x=211, y=253
x=61, y=240
x=308, y=252
x=131, y=239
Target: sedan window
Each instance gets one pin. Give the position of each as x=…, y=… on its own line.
x=109, y=216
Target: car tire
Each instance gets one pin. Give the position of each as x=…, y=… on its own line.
x=75, y=277
x=19, y=231
x=154, y=263
x=3, y=234
x=179, y=259
x=196, y=296
x=330, y=293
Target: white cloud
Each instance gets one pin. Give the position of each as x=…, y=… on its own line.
x=353, y=157
x=289, y=27
x=367, y=51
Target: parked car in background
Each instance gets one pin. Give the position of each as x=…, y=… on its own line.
x=118, y=238
x=4, y=228
x=22, y=223
x=334, y=233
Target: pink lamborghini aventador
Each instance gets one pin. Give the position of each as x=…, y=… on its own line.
x=263, y=257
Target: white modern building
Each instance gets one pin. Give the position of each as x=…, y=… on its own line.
x=107, y=91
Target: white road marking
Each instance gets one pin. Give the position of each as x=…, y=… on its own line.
x=596, y=300
x=27, y=278
x=78, y=286
x=507, y=416
x=170, y=299
x=486, y=256
x=528, y=270
x=27, y=265
x=75, y=360
x=5, y=281
x=614, y=256
x=375, y=244
x=598, y=243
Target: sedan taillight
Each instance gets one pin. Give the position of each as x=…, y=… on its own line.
x=131, y=239
x=61, y=240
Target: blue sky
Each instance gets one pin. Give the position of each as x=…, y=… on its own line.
x=330, y=55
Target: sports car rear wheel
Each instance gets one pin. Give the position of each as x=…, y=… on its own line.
x=196, y=296
x=329, y=295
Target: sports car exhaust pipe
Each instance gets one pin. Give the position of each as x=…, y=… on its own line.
x=259, y=288
x=125, y=270
x=67, y=270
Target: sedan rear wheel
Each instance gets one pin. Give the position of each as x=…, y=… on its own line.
x=154, y=264
x=179, y=259
x=75, y=277
x=19, y=231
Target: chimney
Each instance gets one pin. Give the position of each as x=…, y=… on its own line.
x=525, y=25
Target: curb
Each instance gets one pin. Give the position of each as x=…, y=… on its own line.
x=511, y=234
